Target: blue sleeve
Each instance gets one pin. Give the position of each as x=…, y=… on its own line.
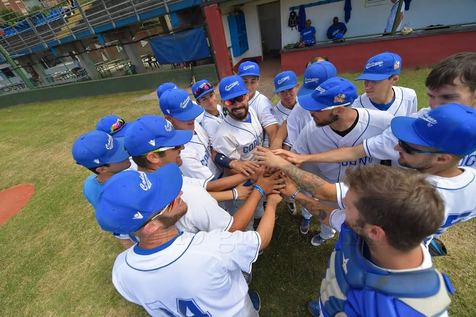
x=370, y=303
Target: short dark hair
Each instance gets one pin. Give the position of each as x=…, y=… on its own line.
x=93, y=169
x=403, y=203
x=142, y=160
x=460, y=65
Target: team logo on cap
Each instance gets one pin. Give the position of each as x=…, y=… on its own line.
x=340, y=98
x=110, y=142
x=152, y=142
x=138, y=216
x=311, y=80
x=429, y=119
x=231, y=86
x=184, y=103
x=320, y=90
x=96, y=161
x=374, y=64
x=396, y=65
x=282, y=80
x=168, y=127
x=248, y=67
x=145, y=183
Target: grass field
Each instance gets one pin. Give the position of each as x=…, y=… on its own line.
x=56, y=262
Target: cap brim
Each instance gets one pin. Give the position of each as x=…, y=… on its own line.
x=189, y=114
x=180, y=137
x=304, y=91
x=308, y=103
x=166, y=185
x=249, y=74
x=235, y=94
x=287, y=87
x=373, y=76
x=402, y=128
x=204, y=93
x=120, y=153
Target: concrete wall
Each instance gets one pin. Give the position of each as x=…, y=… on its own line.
x=372, y=20
x=110, y=85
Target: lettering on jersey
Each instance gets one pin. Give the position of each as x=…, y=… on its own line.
x=429, y=119
x=362, y=161
x=184, y=103
x=248, y=67
x=110, y=142
x=282, y=80
x=454, y=219
x=205, y=159
x=145, y=183
x=374, y=64
x=468, y=160
x=311, y=80
x=168, y=126
x=320, y=90
x=250, y=147
x=231, y=86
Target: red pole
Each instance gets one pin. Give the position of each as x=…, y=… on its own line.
x=216, y=35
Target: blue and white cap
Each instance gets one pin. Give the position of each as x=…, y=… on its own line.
x=130, y=199
x=248, y=69
x=114, y=125
x=315, y=74
x=381, y=66
x=231, y=87
x=201, y=88
x=151, y=132
x=164, y=87
x=97, y=148
x=178, y=104
x=450, y=128
x=334, y=92
x=284, y=81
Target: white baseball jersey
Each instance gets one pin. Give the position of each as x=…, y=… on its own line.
x=458, y=194
x=197, y=157
x=263, y=107
x=237, y=139
x=211, y=123
x=204, y=213
x=314, y=139
x=191, y=275
x=382, y=147
x=404, y=104
x=281, y=113
x=297, y=120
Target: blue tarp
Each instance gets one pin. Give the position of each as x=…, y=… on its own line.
x=180, y=47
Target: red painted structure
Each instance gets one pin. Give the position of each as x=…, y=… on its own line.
x=216, y=35
x=416, y=50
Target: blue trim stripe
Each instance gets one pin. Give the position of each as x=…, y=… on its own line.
x=368, y=123
x=458, y=188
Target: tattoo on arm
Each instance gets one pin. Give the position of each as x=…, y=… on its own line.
x=312, y=205
x=306, y=181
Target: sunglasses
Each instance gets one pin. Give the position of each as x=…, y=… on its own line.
x=407, y=148
x=116, y=126
x=166, y=148
x=203, y=88
x=234, y=100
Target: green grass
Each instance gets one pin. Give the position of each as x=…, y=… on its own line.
x=55, y=261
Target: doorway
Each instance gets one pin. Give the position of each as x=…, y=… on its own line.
x=270, y=26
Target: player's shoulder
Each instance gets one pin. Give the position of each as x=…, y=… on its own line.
x=374, y=117
x=406, y=93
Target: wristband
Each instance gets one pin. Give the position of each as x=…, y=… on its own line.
x=222, y=160
x=292, y=198
x=260, y=190
x=234, y=191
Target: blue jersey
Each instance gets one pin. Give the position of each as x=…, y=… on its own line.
x=309, y=35
x=355, y=286
x=91, y=189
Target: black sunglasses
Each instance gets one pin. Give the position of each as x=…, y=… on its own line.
x=407, y=148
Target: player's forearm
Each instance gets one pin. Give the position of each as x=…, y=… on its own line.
x=314, y=207
x=271, y=131
x=280, y=136
x=244, y=214
x=266, y=225
x=222, y=195
x=311, y=183
x=344, y=154
x=226, y=182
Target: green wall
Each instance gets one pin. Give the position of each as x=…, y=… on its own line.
x=182, y=77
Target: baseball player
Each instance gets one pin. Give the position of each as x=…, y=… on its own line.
x=433, y=144
x=335, y=125
x=174, y=273
x=379, y=266
x=152, y=142
x=250, y=73
x=164, y=87
x=204, y=94
x=105, y=156
x=380, y=75
x=314, y=75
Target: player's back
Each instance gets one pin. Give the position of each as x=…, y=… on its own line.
x=192, y=274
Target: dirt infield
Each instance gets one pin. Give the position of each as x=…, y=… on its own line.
x=13, y=199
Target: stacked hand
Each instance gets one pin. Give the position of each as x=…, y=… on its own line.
x=267, y=157
x=271, y=184
x=246, y=168
x=292, y=157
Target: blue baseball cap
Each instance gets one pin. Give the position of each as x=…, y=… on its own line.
x=201, y=88
x=97, y=148
x=284, y=81
x=381, y=66
x=231, y=87
x=114, y=125
x=315, y=74
x=164, y=87
x=130, y=198
x=334, y=92
x=450, y=128
x=177, y=103
x=151, y=132
x=248, y=69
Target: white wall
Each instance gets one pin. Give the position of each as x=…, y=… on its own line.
x=372, y=20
